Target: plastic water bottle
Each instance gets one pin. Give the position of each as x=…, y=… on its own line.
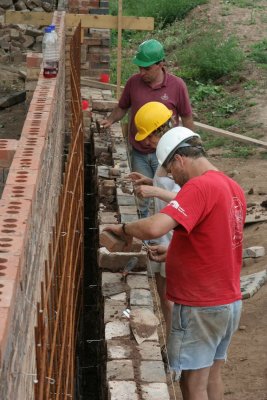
x=54, y=32
x=50, y=59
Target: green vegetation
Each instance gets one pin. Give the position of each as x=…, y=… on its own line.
x=212, y=64
x=210, y=56
x=259, y=52
x=164, y=11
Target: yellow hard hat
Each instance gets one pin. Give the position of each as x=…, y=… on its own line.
x=150, y=117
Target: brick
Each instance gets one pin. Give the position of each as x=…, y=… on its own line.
x=9, y=266
x=141, y=297
x=137, y=282
x=110, y=277
x=99, y=11
x=107, y=217
x=7, y=292
x=122, y=390
x=152, y=371
x=250, y=284
x=113, y=311
x=112, y=242
x=106, y=105
x=116, y=329
x=126, y=218
x=126, y=200
x=120, y=369
x=118, y=350
x=22, y=177
x=149, y=351
x=107, y=188
x=155, y=391
x=34, y=60
x=254, y=252
x=116, y=261
x=7, y=150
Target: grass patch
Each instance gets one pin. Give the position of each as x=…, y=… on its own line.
x=164, y=11
x=211, y=56
x=259, y=52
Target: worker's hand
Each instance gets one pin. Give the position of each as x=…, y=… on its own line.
x=157, y=253
x=105, y=123
x=145, y=191
x=118, y=231
x=139, y=179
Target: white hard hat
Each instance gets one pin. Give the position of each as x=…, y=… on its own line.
x=172, y=140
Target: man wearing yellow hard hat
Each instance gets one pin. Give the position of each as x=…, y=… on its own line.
x=152, y=120
x=152, y=83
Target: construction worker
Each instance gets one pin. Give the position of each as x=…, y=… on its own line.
x=203, y=261
x=152, y=83
x=152, y=120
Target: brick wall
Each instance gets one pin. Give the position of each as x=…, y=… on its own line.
x=27, y=215
x=95, y=57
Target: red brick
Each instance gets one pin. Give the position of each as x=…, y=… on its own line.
x=112, y=242
x=34, y=60
x=117, y=261
x=7, y=151
x=13, y=192
x=22, y=177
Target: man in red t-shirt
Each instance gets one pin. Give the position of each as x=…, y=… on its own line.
x=203, y=261
x=152, y=83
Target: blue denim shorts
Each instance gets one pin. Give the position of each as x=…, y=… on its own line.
x=201, y=335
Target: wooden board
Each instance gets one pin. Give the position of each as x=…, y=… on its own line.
x=97, y=84
x=38, y=18
x=230, y=135
x=87, y=21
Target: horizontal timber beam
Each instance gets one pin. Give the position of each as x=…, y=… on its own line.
x=87, y=21
x=230, y=135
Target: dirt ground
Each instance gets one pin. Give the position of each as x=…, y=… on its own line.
x=245, y=373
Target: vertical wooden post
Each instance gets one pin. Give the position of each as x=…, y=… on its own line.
x=119, y=48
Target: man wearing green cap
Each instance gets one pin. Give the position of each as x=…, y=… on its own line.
x=152, y=83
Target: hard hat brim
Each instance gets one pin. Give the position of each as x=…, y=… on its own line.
x=141, y=136
x=141, y=63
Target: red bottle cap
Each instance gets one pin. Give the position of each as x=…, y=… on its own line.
x=85, y=104
x=104, y=78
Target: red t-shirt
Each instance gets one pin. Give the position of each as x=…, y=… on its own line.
x=172, y=92
x=204, y=258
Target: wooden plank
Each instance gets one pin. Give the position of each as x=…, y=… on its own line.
x=119, y=48
x=110, y=22
x=230, y=135
x=97, y=84
x=38, y=18
x=87, y=21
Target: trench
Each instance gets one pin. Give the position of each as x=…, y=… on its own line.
x=91, y=362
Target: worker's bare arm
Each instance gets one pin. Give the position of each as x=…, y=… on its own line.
x=188, y=123
x=116, y=115
x=145, y=191
x=146, y=228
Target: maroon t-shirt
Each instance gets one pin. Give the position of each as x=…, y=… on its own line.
x=172, y=92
